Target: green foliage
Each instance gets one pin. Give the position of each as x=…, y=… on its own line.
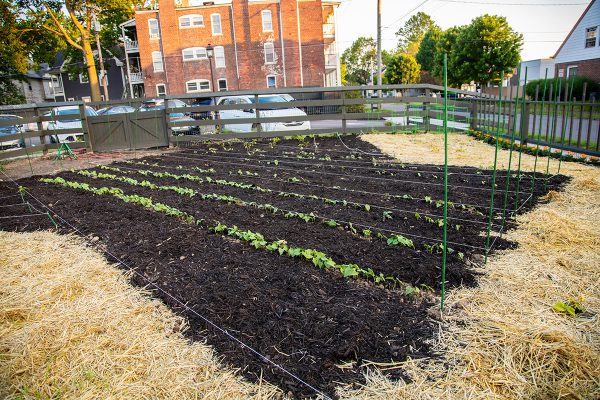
x=570, y=307
x=484, y=49
x=360, y=61
x=413, y=32
x=402, y=69
x=397, y=239
x=577, y=83
x=447, y=44
x=354, y=108
x=427, y=53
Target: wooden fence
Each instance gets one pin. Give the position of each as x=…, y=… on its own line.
x=364, y=109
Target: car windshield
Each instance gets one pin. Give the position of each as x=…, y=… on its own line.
x=74, y=111
x=152, y=108
x=269, y=99
x=203, y=102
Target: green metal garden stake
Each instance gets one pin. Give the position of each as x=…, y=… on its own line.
x=52, y=220
x=512, y=142
x=489, y=226
x=557, y=87
x=445, y=181
x=537, y=148
x=523, y=129
x=565, y=117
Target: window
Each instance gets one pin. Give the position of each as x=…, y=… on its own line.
x=590, y=37
x=161, y=90
x=222, y=85
x=157, y=61
x=194, y=53
x=191, y=21
x=269, y=53
x=267, y=21
x=571, y=71
x=83, y=78
x=271, y=81
x=219, y=57
x=153, y=27
x=215, y=19
x=198, y=85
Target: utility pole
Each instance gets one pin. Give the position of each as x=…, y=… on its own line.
x=102, y=71
x=379, y=44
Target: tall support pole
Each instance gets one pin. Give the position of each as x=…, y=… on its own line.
x=537, y=148
x=445, y=240
x=512, y=142
x=557, y=88
x=565, y=117
x=489, y=226
x=523, y=130
x=379, y=44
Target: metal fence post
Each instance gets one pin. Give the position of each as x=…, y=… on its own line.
x=474, y=111
x=525, y=123
x=40, y=127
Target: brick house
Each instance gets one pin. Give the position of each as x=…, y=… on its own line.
x=188, y=46
x=579, y=54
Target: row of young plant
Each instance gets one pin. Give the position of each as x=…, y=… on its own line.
x=542, y=151
x=393, y=240
x=386, y=214
x=254, y=239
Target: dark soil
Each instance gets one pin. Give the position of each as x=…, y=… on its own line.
x=307, y=320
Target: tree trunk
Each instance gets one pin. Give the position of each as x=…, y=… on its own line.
x=91, y=69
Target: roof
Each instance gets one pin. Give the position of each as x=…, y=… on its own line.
x=573, y=29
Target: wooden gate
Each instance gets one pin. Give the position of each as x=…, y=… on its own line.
x=131, y=131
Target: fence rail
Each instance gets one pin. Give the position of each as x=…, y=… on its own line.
x=565, y=125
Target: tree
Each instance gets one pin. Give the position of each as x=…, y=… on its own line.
x=413, y=31
x=402, y=69
x=447, y=45
x=427, y=49
x=485, y=48
x=360, y=60
x=73, y=22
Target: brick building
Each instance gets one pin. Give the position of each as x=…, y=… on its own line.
x=189, y=46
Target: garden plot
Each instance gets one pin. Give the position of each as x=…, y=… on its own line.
x=322, y=255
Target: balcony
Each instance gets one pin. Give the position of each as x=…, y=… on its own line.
x=136, y=77
x=331, y=61
x=131, y=46
x=329, y=30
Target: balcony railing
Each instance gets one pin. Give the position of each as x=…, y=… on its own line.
x=131, y=45
x=136, y=77
x=328, y=30
x=331, y=60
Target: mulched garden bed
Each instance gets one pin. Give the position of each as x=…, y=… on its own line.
x=312, y=321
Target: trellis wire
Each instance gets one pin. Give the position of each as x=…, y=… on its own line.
x=489, y=225
x=331, y=173
x=176, y=299
x=338, y=200
x=315, y=185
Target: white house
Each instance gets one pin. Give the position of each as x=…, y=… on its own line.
x=579, y=54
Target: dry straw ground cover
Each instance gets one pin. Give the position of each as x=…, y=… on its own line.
x=71, y=327
x=502, y=339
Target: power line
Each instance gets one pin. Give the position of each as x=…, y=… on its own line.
x=511, y=4
x=407, y=14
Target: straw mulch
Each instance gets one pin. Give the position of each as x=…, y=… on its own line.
x=502, y=340
x=71, y=327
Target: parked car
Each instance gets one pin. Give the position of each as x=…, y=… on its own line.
x=159, y=104
x=10, y=130
x=291, y=112
x=207, y=101
x=121, y=109
x=55, y=126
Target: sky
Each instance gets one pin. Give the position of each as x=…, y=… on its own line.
x=543, y=23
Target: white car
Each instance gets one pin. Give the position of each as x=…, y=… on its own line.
x=54, y=126
x=291, y=112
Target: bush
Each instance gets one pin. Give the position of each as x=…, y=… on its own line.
x=355, y=108
x=577, y=82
